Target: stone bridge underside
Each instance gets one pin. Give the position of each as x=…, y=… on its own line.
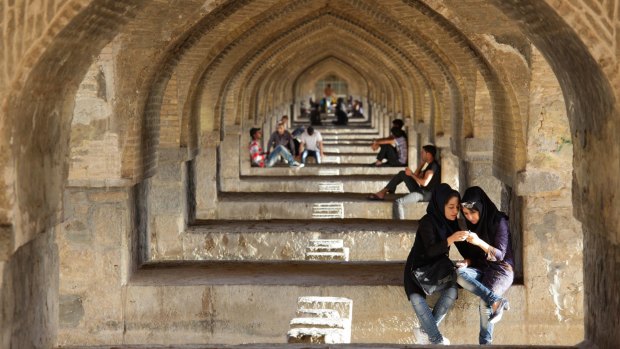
x=130, y=214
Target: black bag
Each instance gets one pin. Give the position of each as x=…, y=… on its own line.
x=435, y=277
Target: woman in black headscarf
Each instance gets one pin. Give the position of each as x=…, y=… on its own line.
x=487, y=270
x=437, y=231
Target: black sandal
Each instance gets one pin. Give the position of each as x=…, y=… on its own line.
x=374, y=197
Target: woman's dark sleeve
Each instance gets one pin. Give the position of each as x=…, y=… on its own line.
x=464, y=250
x=433, y=244
x=500, y=245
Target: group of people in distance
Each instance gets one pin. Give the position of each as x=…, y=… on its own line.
x=293, y=148
x=487, y=266
x=343, y=110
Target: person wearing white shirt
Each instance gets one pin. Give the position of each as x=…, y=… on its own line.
x=311, y=144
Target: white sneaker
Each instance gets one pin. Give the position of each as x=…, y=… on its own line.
x=296, y=164
x=445, y=341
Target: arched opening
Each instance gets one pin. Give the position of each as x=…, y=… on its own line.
x=103, y=213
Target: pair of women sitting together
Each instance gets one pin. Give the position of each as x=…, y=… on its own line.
x=487, y=267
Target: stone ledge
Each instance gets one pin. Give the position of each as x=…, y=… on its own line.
x=288, y=273
x=307, y=206
x=321, y=170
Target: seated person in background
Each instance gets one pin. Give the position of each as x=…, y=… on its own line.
x=341, y=113
x=420, y=182
x=260, y=159
x=358, y=111
x=297, y=140
x=281, y=137
x=284, y=120
x=393, y=149
x=400, y=124
x=315, y=113
x=311, y=145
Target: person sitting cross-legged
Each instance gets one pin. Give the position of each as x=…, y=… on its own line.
x=281, y=136
x=392, y=150
x=419, y=182
x=260, y=159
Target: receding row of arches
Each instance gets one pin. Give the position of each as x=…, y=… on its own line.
x=518, y=82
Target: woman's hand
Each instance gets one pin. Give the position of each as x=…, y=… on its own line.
x=458, y=236
x=473, y=239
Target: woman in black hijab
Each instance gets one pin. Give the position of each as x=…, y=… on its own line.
x=437, y=231
x=487, y=270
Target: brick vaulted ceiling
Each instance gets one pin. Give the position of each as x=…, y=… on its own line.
x=239, y=60
x=235, y=63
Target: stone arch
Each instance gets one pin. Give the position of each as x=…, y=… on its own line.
x=591, y=104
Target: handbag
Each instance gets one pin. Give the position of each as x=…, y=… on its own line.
x=436, y=276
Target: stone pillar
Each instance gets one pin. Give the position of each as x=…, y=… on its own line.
x=449, y=163
x=412, y=143
x=206, y=176
x=28, y=291
x=478, y=156
x=552, y=237
x=387, y=122
x=423, y=132
x=95, y=261
x=168, y=205
x=553, y=256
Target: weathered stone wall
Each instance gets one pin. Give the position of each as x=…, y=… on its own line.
x=95, y=239
x=96, y=141
x=552, y=237
x=42, y=65
x=29, y=294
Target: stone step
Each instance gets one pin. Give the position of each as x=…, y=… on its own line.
x=361, y=158
x=324, y=249
x=344, y=306
x=338, y=142
x=238, y=206
x=309, y=184
x=321, y=170
x=347, y=148
x=328, y=256
x=340, y=130
x=317, y=322
x=350, y=137
x=252, y=240
x=326, y=243
x=320, y=313
x=316, y=336
x=234, y=303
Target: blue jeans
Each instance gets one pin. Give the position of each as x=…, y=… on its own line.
x=273, y=156
x=398, y=206
x=429, y=320
x=315, y=153
x=469, y=279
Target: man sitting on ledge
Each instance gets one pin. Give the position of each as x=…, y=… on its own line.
x=420, y=182
x=260, y=159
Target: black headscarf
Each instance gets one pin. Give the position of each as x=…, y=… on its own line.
x=489, y=214
x=436, y=209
